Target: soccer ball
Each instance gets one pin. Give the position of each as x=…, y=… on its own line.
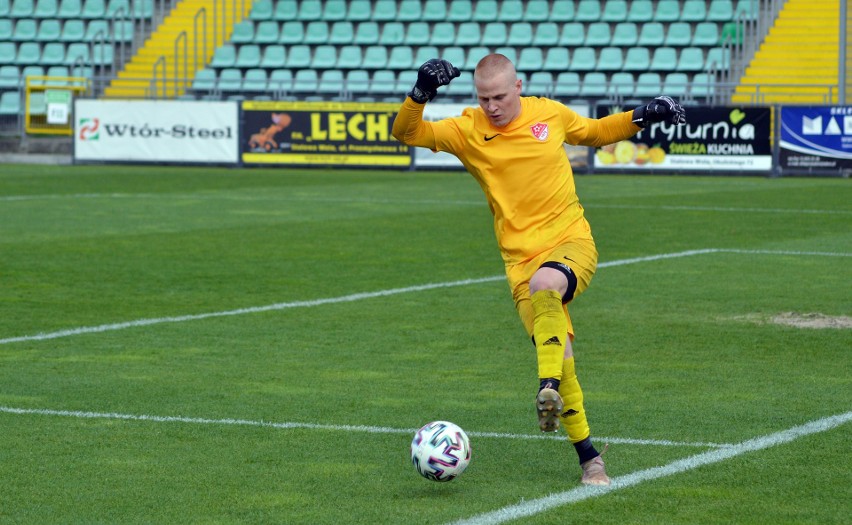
x=440, y=451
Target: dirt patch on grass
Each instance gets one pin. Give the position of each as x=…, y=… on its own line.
x=812, y=320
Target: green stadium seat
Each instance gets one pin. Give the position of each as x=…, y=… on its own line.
x=720, y=11
x=652, y=34
x=401, y=57
x=8, y=50
x=678, y=35
x=80, y=70
x=546, y=34
x=494, y=34
x=25, y=30
x=648, y=85
x=409, y=11
x=280, y=10
x=718, y=58
x=274, y=57
x=509, y=52
x=382, y=82
x=537, y=11
x=299, y=56
x=70, y=9
x=625, y=34
x=248, y=56
x=443, y=34
x=305, y=81
x=6, y=29
x=123, y=30
x=97, y=31
x=520, y=34
x=614, y=11
x=705, y=34
x=434, y=11
x=640, y=11
x=588, y=11
x=573, y=34
x=93, y=9
x=280, y=80
x=243, y=32
x=637, y=59
x=53, y=54
x=562, y=11
x=474, y=55
x=540, y=83
x=76, y=52
x=114, y=6
x=72, y=31
x=583, y=59
x=567, y=84
x=392, y=34
x=230, y=79
x=425, y=53
x=418, y=34
x=703, y=85
x=144, y=9
x=10, y=103
x=384, y=10
x=621, y=84
x=675, y=84
x=10, y=77
x=730, y=32
x=316, y=32
x=45, y=9
x=594, y=84
x=359, y=11
x=667, y=11
x=22, y=9
x=510, y=11
x=341, y=33
x=32, y=71
x=691, y=59
x=292, y=32
x=597, y=34
x=309, y=10
x=37, y=103
x=468, y=34
x=610, y=59
x=349, y=57
x=57, y=72
x=556, y=59
x=367, y=33
x=404, y=81
x=747, y=9
x=531, y=59
x=694, y=11
x=358, y=82
x=28, y=53
x=254, y=80
x=4, y=8
x=455, y=54
x=331, y=82
x=462, y=87
x=103, y=55
x=224, y=56
x=664, y=59
x=334, y=11
x=375, y=57
x=460, y=11
x=266, y=32
x=485, y=11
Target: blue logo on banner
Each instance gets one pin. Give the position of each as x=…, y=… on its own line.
x=822, y=131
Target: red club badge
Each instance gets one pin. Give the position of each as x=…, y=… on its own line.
x=539, y=131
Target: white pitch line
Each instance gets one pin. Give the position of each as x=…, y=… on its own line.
x=716, y=208
x=373, y=295
x=537, y=506
x=319, y=426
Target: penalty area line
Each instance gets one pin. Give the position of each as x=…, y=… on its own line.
x=537, y=506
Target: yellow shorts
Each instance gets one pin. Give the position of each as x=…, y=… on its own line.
x=579, y=253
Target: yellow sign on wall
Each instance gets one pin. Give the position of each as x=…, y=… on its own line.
x=49, y=103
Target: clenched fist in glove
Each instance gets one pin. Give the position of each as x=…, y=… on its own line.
x=661, y=109
x=432, y=74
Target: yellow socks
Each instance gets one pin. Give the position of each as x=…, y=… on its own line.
x=573, y=415
x=550, y=329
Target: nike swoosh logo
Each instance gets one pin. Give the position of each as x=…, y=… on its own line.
x=487, y=138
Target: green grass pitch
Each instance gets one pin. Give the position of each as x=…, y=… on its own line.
x=206, y=345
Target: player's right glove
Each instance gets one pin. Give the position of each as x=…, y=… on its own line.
x=661, y=109
x=433, y=74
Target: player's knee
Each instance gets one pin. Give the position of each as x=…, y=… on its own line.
x=557, y=276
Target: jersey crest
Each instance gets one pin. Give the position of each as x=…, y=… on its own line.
x=539, y=131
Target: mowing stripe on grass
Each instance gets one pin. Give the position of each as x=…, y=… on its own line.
x=537, y=506
x=373, y=295
x=318, y=426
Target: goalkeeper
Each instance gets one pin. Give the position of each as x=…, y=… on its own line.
x=513, y=147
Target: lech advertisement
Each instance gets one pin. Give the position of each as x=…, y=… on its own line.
x=321, y=133
x=713, y=139
x=816, y=138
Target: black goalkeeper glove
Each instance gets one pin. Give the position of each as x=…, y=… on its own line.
x=432, y=74
x=661, y=109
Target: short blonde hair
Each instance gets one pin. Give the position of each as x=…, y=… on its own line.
x=495, y=64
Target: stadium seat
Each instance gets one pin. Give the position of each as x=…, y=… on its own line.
x=675, y=84
x=462, y=87
x=424, y=53
x=664, y=59
x=694, y=11
x=588, y=11
x=10, y=103
x=305, y=81
x=474, y=55
x=691, y=59
x=652, y=34
x=567, y=84
x=614, y=11
x=720, y=11
x=485, y=11
x=25, y=30
x=401, y=58
x=262, y=10
x=637, y=59
x=443, y=34
x=254, y=80
x=114, y=6
x=520, y=34
x=562, y=11
x=230, y=79
x=123, y=30
x=103, y=55
x=610, y=59
x=531, y=59
x=76, y=52
x=410, y=11
x=621, y=84
x=73, y=31
x=546, y=34
x=648, y=85
x=341, y=33
x=746, y=9
x=468, y=34
x=510, y=11
x=583, y=59
x=37, y=103
x=6, y=29
x=456, y=56
x=316, y=32
x=494, y=34
x=10, y=77
x=331, y=82
x=280, y=80
x=292, y=32
x=367, y=33
x=309, y=10
x=434, y=11
x=28, y=53
x=404, y=81
x=45, y=9
x=243, y=32
x=717, y=58
x=375, y=57
x=22, y=8
x=392, y=34
x=556, y=59
x=597, y=35
x=384, y=10
x=703, y=85
x=573, y=35
x=32, y=71
x=537, y=11
x=70, y=9
x=8, y=50
x=359, y=11
x=511, y=53
x=418, y=34
x=266, y=32
x=705, y=34
x=57, y=72
x=679, y=34
x=299, y=56
x=358, y=82
x=594, y=85
x=334, y=11
x=97, y=30
x=349, y=57
x=540, y=83
x=224, y=56
x=93, y=9
x=248, y=56
x=667, y=11
x=274, y=57
x=640, y=11
x=383, y=82
x=625, y=34
x=460, y=11
x=53, y=54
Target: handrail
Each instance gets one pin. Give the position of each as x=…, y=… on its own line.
x=178, y=84
x=161, y=60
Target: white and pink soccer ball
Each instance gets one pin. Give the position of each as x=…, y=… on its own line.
x=440, y=451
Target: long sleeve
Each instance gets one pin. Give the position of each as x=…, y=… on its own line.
x=610, y=129
x=410, y=128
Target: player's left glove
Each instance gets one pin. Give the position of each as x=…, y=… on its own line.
x=661, y=109
x=433, y=74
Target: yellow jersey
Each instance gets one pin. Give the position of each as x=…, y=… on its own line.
x=522, y=167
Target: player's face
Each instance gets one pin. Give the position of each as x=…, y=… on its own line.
x=499, y=97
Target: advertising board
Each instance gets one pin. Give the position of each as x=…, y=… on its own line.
x=816, y=138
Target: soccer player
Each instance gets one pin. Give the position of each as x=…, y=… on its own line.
x=513, y=147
